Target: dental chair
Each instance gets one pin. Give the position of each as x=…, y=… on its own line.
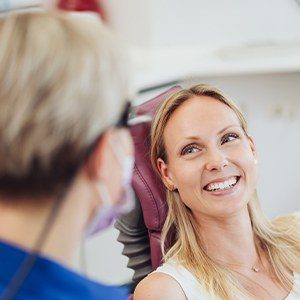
x=140, y=230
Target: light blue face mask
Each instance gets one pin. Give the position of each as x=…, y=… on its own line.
x=108, y=212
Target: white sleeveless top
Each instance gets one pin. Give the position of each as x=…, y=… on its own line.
x=193, y=289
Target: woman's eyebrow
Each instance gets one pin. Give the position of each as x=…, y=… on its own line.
x=182, y=142
x=227, y=127
x=196, y=137
x=192, y=137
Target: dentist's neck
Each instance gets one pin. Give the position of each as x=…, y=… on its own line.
x=21, y=224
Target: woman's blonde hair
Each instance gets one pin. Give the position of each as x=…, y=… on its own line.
x=63, y=80
x=280, y=239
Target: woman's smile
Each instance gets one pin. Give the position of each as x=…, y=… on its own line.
x=222, y=187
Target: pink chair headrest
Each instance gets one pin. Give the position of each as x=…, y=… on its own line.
x=146, y=183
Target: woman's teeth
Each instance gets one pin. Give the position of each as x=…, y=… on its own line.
x=220, y=186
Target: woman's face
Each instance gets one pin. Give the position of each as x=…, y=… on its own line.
x=210, y=159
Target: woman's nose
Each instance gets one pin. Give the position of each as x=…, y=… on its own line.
x=216, y=161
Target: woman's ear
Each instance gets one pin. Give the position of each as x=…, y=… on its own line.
x=252, y=146
x=165, y=174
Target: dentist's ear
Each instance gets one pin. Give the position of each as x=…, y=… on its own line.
x=165, y=174
x=96, y=163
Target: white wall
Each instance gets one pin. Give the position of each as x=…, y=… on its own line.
x=169, y=23
x=100, y=258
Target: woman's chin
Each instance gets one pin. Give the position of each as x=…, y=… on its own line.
x=228, y=202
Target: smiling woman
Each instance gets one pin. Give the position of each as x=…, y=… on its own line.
x=224, y=246
x=207, y=150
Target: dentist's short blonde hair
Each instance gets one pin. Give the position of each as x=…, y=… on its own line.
x=63, y=81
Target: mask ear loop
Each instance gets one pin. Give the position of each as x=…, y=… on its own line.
x=20, y=275
x=105, y=203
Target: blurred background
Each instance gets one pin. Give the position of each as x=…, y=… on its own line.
x=250, y=50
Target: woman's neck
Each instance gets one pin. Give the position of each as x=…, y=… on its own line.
x=229, y=240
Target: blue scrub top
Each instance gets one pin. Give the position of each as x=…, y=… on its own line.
x=50, y=280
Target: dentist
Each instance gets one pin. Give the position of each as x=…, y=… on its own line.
x=66, y=156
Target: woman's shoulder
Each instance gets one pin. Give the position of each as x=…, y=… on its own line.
x=158, y=285
x=288, y=221
x=171, y=281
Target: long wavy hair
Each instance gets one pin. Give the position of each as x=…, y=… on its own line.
x=279, y=239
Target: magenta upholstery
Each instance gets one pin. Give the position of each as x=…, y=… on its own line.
x=146, y=183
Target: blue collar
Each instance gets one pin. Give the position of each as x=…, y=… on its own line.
x=51, y=280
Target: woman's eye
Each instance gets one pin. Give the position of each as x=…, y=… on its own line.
x=229, y=137
x=190, y=149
